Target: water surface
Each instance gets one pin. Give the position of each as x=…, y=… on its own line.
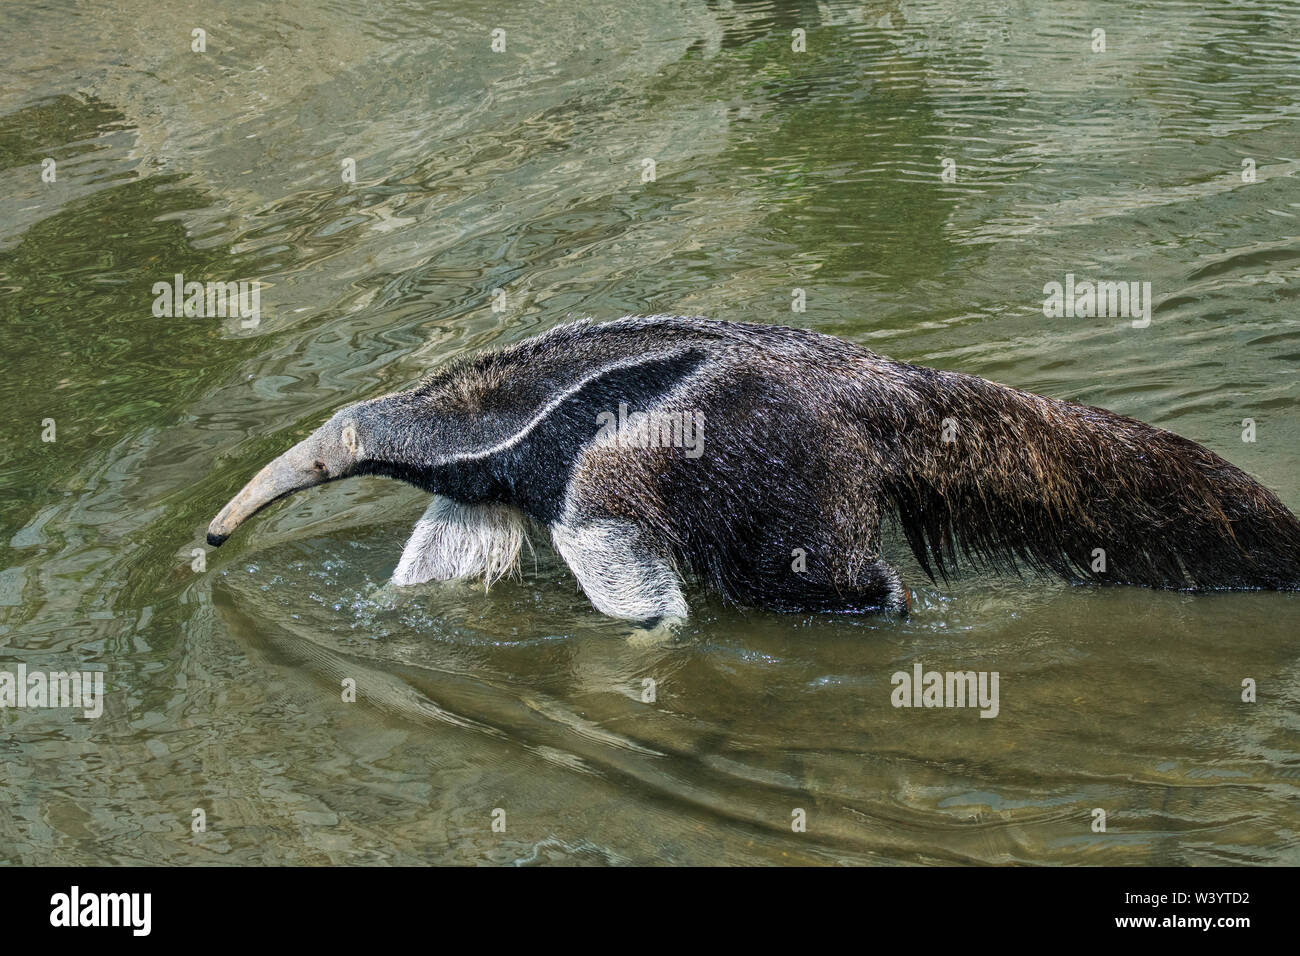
x=522, y=171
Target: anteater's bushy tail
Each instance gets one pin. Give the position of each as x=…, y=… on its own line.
x=1027, y=481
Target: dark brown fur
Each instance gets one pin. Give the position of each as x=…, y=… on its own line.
x=811, y=443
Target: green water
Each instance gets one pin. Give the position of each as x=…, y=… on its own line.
x=522, y=171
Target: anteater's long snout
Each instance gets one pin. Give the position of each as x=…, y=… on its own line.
x=296, y=469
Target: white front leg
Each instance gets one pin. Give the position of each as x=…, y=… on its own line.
x=454, y=540
x=619, y=572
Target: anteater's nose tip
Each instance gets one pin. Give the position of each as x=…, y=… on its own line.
x=216, y=540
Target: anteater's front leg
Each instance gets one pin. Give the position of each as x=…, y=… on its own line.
x=455, y=540
x=621, y=571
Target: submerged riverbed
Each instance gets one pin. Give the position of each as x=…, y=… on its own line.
x=1169, y=157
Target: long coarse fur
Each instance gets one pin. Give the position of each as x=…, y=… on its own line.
x=809, y=444
x=804, y=430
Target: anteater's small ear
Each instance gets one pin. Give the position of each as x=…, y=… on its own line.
x=350, y=440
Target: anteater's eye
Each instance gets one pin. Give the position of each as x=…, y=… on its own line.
x=319, y=465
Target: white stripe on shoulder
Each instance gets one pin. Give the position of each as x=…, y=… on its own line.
x=551, y=406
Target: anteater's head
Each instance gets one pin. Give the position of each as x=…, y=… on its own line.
x=335, y=450
x=409, y=435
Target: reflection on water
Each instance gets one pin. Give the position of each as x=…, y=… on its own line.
x=521, y=171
